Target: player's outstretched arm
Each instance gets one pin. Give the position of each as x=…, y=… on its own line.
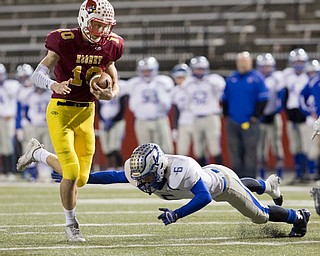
x=202, y=197
x=103, y=177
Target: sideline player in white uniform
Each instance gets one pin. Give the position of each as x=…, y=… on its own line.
x=8, y=111
x=33, y=104
x=150, y=102
x=299, y=132
x=112, y=127
x=174, y=177
x=183, y=116
x=270, y=128
x=205, y=91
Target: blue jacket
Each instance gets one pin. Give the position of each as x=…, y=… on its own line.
x=243, y=94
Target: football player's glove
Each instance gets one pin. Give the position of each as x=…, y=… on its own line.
x=316, y=128
x=168, y=216
x=56, y=176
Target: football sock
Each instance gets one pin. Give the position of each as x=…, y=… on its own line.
x=254, y=185
x=70, y=216
x=280, y=214
x=41, y=155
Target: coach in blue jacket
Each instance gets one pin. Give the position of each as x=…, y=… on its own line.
x=244, y=99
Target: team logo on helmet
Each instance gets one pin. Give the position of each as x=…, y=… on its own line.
x=91, y=6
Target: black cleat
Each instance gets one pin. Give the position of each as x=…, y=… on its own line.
x=278, y=201
x=300, y=226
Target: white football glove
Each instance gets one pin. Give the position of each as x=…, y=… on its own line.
x=316, y=128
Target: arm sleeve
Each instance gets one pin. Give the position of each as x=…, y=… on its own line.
x=107, y=177
x=40, y=77
x=201, y=199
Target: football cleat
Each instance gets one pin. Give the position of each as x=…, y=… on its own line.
x=315, y=193
x=316, y=128
x=27, y=158
x=73, y=233
x=299, y=228
x=275, y=193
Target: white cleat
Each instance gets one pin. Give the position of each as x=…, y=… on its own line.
x=316, y=128
x=73, y=233
x=27, y=158
x=274, y=192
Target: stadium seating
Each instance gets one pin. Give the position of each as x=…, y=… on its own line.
x=173, y=31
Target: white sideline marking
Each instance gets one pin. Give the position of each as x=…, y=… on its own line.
x=157, y=245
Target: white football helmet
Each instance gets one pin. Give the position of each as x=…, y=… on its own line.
x=297, y=59
x=24, y=70
x=23, y=74
x=3, y=72
x=148, y=67
x=200, y=66
x=147, y=166
x=312, y=66
x=96, y=20
x=180, y=70
x=265, y=63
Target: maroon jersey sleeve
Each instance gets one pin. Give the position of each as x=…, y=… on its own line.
x=53, y=41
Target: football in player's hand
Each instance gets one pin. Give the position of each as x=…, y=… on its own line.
x=103, y=80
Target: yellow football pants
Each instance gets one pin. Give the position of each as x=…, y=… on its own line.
x=72, y=135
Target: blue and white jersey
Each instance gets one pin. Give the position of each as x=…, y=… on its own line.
x=37, y=103
x=294, y=84
x=181, y=99
x=149, y=99
x=181, y=175
x=110, y=108
x=8, y=98
x=275, y=83
x=205, y=94
x=310, y=96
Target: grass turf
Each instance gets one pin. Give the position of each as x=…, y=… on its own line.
x=120, y=220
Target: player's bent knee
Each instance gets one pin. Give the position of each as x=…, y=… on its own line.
x=260, y=219
x=82, y=181
x=70, y=172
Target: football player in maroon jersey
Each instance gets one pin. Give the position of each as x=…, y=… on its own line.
x=77, y=55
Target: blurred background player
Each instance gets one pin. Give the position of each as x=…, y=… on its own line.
x=270, y=127
x=150, y=102
x=310, y=105
x=205, y=92
x=243, y=106
x=183, y=120
x=295, y=79
x=112, y=127
x=8, y=111
x=78, y=56
x=33, y=102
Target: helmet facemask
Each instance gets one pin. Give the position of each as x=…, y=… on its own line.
x=96, y=20
x=147, y=165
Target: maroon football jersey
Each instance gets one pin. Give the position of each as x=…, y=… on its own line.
x=80, y=59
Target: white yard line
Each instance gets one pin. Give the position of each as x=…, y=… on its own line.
x=3, y=227
x=158, y=245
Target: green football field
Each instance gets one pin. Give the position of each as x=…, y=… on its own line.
x=121, y=220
